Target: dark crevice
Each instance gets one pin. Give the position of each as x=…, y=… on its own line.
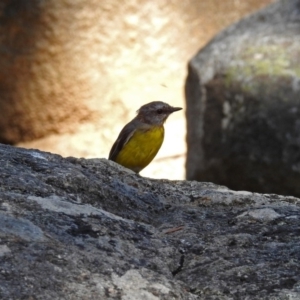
x=181, y=262
x=82, y=228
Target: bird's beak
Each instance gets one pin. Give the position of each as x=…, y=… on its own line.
x=172, y=109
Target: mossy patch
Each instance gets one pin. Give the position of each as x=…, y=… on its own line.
x=269, y=62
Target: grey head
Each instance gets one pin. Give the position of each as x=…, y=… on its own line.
x=155, y=113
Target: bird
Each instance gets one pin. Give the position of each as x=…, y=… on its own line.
x=140, y=139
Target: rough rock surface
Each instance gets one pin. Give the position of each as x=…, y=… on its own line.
x=89, y=229
x=243, y=105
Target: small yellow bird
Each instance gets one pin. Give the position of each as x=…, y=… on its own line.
x=140, y=140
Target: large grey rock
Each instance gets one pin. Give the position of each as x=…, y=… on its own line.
x=90, y=229
x=243, y=105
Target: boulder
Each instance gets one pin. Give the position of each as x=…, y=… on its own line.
x=243, y=107
x=90, y=229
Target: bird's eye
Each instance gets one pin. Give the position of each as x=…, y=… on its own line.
x=159, y=111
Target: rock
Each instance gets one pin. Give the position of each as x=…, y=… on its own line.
x=71, y=63
x=90, y=229
x=243, y=106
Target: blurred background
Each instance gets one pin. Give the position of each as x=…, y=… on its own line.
x=73, y=73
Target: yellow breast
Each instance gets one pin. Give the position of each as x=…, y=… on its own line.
x=141, y=148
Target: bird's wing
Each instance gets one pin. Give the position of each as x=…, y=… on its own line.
x=123, y=138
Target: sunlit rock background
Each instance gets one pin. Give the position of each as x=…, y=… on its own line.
x=72, y=73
